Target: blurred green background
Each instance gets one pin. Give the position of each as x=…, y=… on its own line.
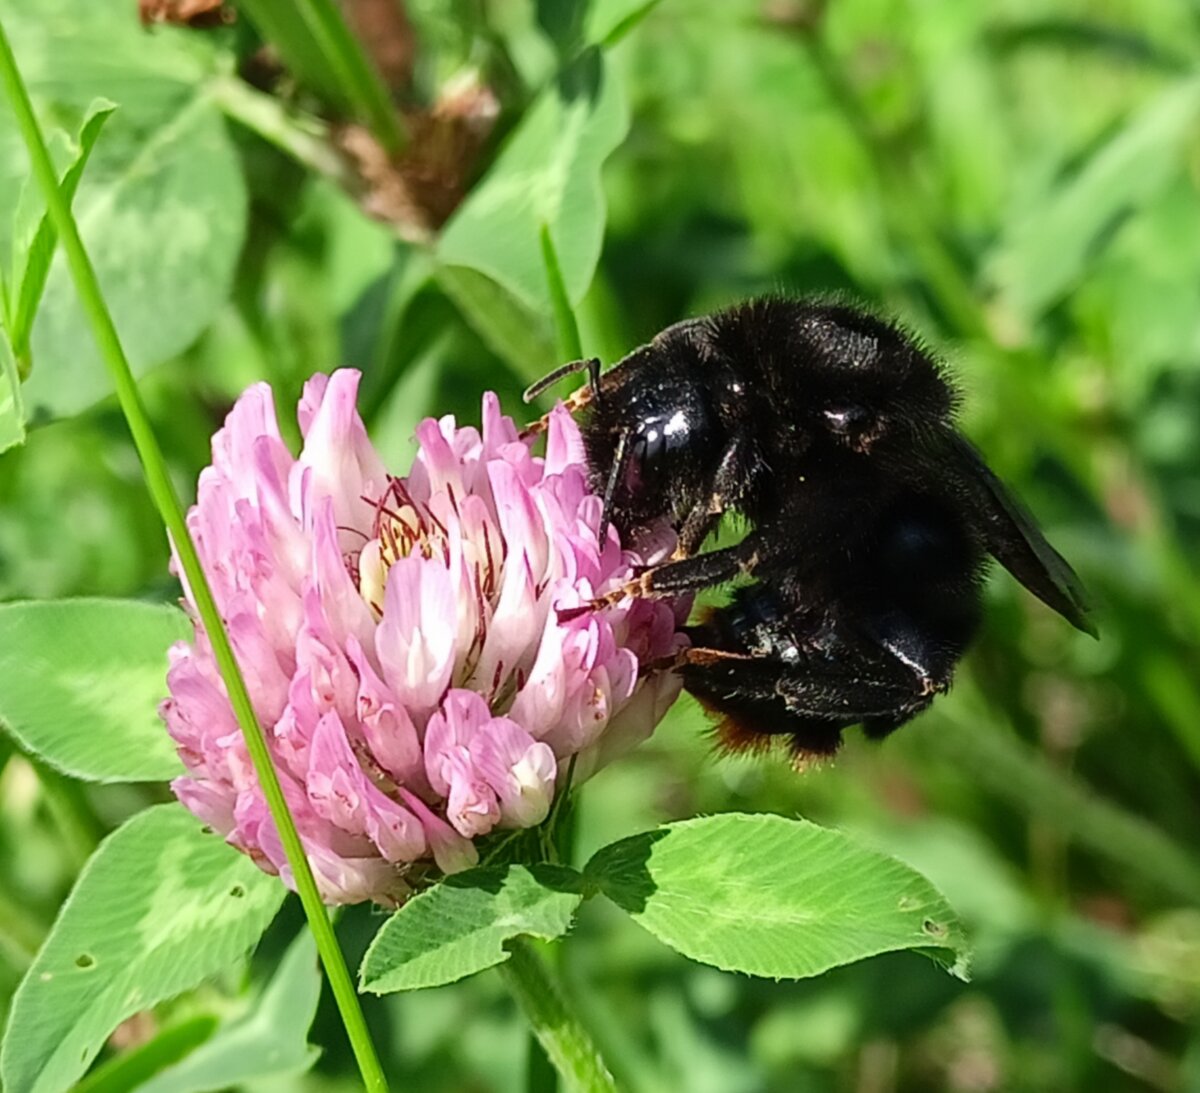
x=1018, y=180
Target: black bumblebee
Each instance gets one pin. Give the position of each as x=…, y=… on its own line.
x=871, y=517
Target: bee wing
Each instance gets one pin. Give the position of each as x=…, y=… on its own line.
x=1017, y=543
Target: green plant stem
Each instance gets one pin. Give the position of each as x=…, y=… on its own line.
x=569, y=343
x=564, y=1039
x=162, y=490
x=558, y=845
x=21, y=935
x=347, y=68
x=305, y=138
x=347, y=59
x=540, y=1075
x=67, y=803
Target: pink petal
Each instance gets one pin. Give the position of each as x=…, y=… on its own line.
x=345, y=467
x=519, y=769
x=342, y=794
x=564, y=443
x=386, y=725
x=415, y=639
x=450, y=850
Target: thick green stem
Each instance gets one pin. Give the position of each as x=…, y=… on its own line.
x=564, y=1039
x=163, y=492
x=312, y=33
x=356, y=72
x=569, y=343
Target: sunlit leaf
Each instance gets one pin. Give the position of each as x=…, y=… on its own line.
x=160, y=906
x=508, y=327
x=774, y=897
x=12, y=409
x=460, y=926
x=548, y=173
x=80, y=683
x=164, y=234
x=32, y=267
x=271, y=1041
x=608, y=21
x=162, y=205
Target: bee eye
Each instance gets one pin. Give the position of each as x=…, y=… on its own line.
x=846, y=418
x=645, y=459
x=656, y=442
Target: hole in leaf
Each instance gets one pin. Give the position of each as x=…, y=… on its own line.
x=237, y=891
x=934, y=929
x=85, y=960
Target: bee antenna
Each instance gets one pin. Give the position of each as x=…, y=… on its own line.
x=620, y=459
x=589, y=364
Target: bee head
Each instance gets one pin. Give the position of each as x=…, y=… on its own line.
x=651, y=435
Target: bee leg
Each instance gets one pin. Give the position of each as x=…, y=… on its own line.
x=699, y=571
x=676, y=578
x=615, y=474
x=706, y=515
x=691, y=574
x=573, y=403
x=701, y=520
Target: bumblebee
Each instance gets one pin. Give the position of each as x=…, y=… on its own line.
x=871, y=518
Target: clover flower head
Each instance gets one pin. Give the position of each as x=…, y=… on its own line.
x=400, y=638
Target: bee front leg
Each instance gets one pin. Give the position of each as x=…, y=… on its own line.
x=694, y=530
x=682, y=575
x=727, y=483
x=675, y=578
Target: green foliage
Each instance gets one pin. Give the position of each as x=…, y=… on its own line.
x=161, y=906
x=1016, y=181
x=12, y=406
x=608, y=21
x=32, y=255
x=1047, y=251
x=774, y=897
x=33, y=243
x=756, y=894
x=133, y=1069
x=79, y=683
x=318, y=47
x=270, y=1040
x=165, y=230
x=547, y=175
x=162, y=206
x=460, y=926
